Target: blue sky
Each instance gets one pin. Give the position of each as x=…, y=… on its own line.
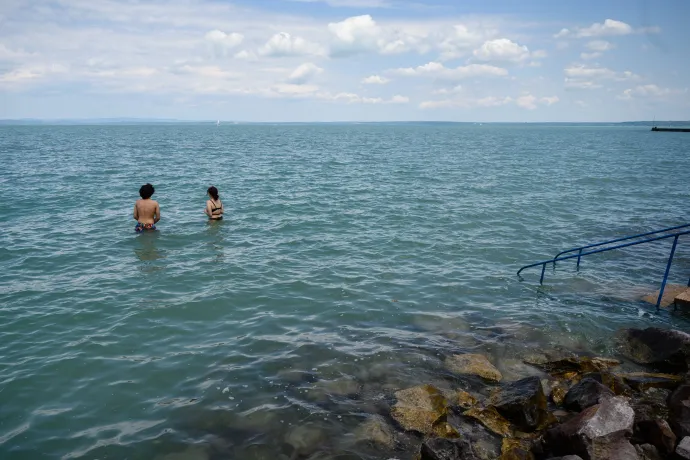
x=346, y=60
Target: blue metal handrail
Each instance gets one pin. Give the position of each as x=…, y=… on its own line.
x=617, y=240
x=580, y=254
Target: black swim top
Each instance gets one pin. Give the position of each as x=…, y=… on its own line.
x=216, y=208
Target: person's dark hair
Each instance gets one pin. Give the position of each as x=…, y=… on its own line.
x=146, y=191
x=213, y=192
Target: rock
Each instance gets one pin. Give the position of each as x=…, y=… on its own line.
x=651, y=404
x=558, y=393
x=485, y=444
x=587, y=392
x=305, y=439
x=679, y=411
x=339, y=387
x=473, y=364
x=465, y=400
x=665, y=349
x=611, y=381
x=647, y=452
x=445, y=449
x=523, y=403
x=683, y=449
x=567, y=457
x=490, y=418
x=657, y=433
x=571, y=368
x=376, y=431
x=594, y=430
x=516, y=449
x=420, y=408
x=515, y=369
x=621, y=449
x=641, y=381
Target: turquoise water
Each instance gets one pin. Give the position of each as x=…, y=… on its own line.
x=351, y=260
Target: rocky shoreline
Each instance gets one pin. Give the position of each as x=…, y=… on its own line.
x=583, y=408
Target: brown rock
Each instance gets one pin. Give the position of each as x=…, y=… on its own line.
x=641, y=381
x=558, y=393
x=420, y=408
x=473, y=364
x=465, y=400
x=571, y=368
x=516, y=449
x=612, y=381
x=490, y=418
x=376, y=430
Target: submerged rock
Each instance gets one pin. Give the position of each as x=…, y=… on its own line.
x=641, y=381
x=473, y=364
x=305, y=439
x=523, y=403
x=465, y=400
x=665, y=349
x=340, y=387
x=657, y=433
x=597, y=431
x=587, y=392
x=191, y=453
x=420, y=408
x=376, y=431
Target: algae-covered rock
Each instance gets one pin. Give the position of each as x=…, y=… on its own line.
x=516, y=449
x=473, y=364
x=641, y=381
x=611, y=381
x=523, y=403
x=376, y=430
x=587, y=392
x=664, y=349
x=419, y=408
x=305, y=439
x=490, y=418
x=573, y=367
x=465, y=400
x=446, y=449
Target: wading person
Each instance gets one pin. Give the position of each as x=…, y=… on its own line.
x=146, y=211
x=214, y=207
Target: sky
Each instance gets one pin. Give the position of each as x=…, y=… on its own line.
x=346, y=60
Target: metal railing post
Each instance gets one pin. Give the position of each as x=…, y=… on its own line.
x=543, y=269
x=579, y=256
x=668, y=268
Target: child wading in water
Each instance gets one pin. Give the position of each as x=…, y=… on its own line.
x=146, y=211
x=214, y=207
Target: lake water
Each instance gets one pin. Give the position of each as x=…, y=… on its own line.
x=352, y=259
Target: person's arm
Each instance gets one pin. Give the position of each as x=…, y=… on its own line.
x=136, y=212
x=207, y=210
x=222, y=208
x=157, y=217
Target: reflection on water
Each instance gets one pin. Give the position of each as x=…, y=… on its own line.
x=146, y=250
x=215, y=232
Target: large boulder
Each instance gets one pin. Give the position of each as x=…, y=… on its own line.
x=597, y=431
x=611, y=381
x=586, y=393
x=420, y=408
x=523, y=403
x=665, y=349
x=679, y=411
x=683, y=449
x=473, y=364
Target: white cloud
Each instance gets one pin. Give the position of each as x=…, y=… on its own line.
x=650, y=91
x=582, y=71
x=502, y=50
x=571, y=83
x=246, y=55
x=222, y=42
x=398, y=99
x=359, y=34
x=526, y=101
x=460, y=41
x=283, y=44
x=375, y=80
x=585, y=77
x=352, y=98
x=304, y=73
x=608, y=28
x=600, y=45
x=590, y=56
x=438, y=70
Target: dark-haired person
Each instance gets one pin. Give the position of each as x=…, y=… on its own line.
x=146, y=211
x=214, y=207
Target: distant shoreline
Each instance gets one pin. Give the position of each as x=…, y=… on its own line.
x=135, y=121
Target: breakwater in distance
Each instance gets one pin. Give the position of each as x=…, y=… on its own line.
x=353, y=263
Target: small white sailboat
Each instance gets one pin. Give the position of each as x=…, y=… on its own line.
x=218, y=123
